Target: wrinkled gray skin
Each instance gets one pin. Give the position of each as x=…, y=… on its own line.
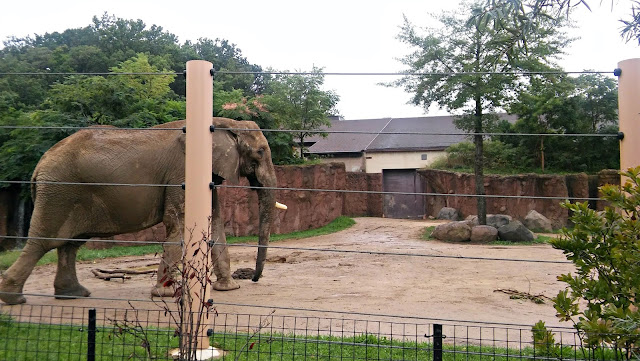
x=144, y=157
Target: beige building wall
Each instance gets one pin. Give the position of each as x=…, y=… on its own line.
x=376, y=162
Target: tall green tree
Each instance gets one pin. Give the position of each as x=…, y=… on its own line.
x=299, y=103
x=471, y=51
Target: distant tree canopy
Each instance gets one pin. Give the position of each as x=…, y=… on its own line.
x=114, y=45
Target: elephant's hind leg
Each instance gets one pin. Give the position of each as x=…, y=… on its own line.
x=66, y=284
x=14, y=278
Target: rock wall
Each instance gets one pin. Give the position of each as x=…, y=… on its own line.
x=306, y=209
x=313, y=209
x=521, y=187
x=363, y=204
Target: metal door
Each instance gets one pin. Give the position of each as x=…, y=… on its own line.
x=403, y=205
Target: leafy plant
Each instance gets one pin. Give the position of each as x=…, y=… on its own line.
x=605, y=250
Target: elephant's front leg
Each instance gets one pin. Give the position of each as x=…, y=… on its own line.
x=167, y=270
x=220, y=251
x=66, y=284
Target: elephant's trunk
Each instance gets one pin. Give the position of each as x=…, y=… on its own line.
x=266, y=199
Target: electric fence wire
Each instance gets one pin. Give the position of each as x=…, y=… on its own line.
x=319, y=190
x=615, y=72
x=321, y=131
x=328, y=250
x=292, y=189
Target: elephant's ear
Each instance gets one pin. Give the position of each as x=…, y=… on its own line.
x=226, y=159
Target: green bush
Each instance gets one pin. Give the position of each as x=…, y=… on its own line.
x=497, y=155
x=602, y=297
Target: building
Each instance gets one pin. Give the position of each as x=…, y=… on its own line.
x=395, y=147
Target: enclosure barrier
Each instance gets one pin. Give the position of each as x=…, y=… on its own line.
x=53, y=332
x=70, y=332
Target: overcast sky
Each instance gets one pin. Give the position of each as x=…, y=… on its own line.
x=341, y=36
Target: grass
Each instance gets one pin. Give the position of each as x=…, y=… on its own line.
x=28, y=341
x=85, y=254
x=540, y=239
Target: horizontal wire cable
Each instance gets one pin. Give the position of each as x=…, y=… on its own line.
x=79, y=128
x=87, y=73
x=328, y=250
x=461, y=73
x=405, y=254
x=410, y=193
x=328, y=131
x=286, y=308
x=93, y=184
x=262, y=72
x=316, y=190
x=89, y=240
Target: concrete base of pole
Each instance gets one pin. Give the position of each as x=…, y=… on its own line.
x=210, y=353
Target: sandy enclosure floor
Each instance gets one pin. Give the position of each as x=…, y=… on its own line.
x=352, y=291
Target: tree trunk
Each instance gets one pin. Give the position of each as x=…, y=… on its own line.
x=301, y=147
x=479, y=165
x=542, y=153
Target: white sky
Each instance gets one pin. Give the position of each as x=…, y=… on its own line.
x=341, y=36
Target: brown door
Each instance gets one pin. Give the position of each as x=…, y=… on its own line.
x=402, y=205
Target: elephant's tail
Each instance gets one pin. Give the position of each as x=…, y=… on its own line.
x=33, y=185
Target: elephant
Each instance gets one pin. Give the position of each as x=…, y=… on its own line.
x=66, y=212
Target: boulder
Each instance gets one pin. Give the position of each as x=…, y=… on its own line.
x=515, y=231
x=453, y=231
x=484, y=234
x=493, y=220
x=448, y=213
x=537, y=222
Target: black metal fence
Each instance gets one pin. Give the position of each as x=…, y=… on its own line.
x=46, y=332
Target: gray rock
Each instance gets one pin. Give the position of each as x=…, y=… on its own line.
x=484, y=234
x=493, y=220
x=515, y=231
x=449, y=213
x=453, y=231
x=537, y=222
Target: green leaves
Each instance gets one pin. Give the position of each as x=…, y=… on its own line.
x=604, y=246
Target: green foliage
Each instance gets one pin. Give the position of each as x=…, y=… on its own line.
x=298, y=102
x=111, y=44
x=605, y=250
x=563, y=105
x=526, y=13
x=496, y=154
x=467, y=46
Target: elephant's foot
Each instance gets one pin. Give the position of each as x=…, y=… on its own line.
x=72, y=292
x=160, y=291
x=11, y=293
x=225, y=285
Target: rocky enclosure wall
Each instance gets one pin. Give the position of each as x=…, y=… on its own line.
x=312, y=209
x=525, y=185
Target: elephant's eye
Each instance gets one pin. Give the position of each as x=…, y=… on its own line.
x=261, y=152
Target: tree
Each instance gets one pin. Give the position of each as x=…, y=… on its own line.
x=559, y=104
x=297, y=102
x=519, y=16
x=468, y=49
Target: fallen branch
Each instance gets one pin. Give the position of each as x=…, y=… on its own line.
x=126, y=271
x=517, y=295
x=109, y=276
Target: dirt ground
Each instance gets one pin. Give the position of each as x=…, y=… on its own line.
x=356, y=285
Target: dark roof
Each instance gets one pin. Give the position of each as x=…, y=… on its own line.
x=429, y=138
